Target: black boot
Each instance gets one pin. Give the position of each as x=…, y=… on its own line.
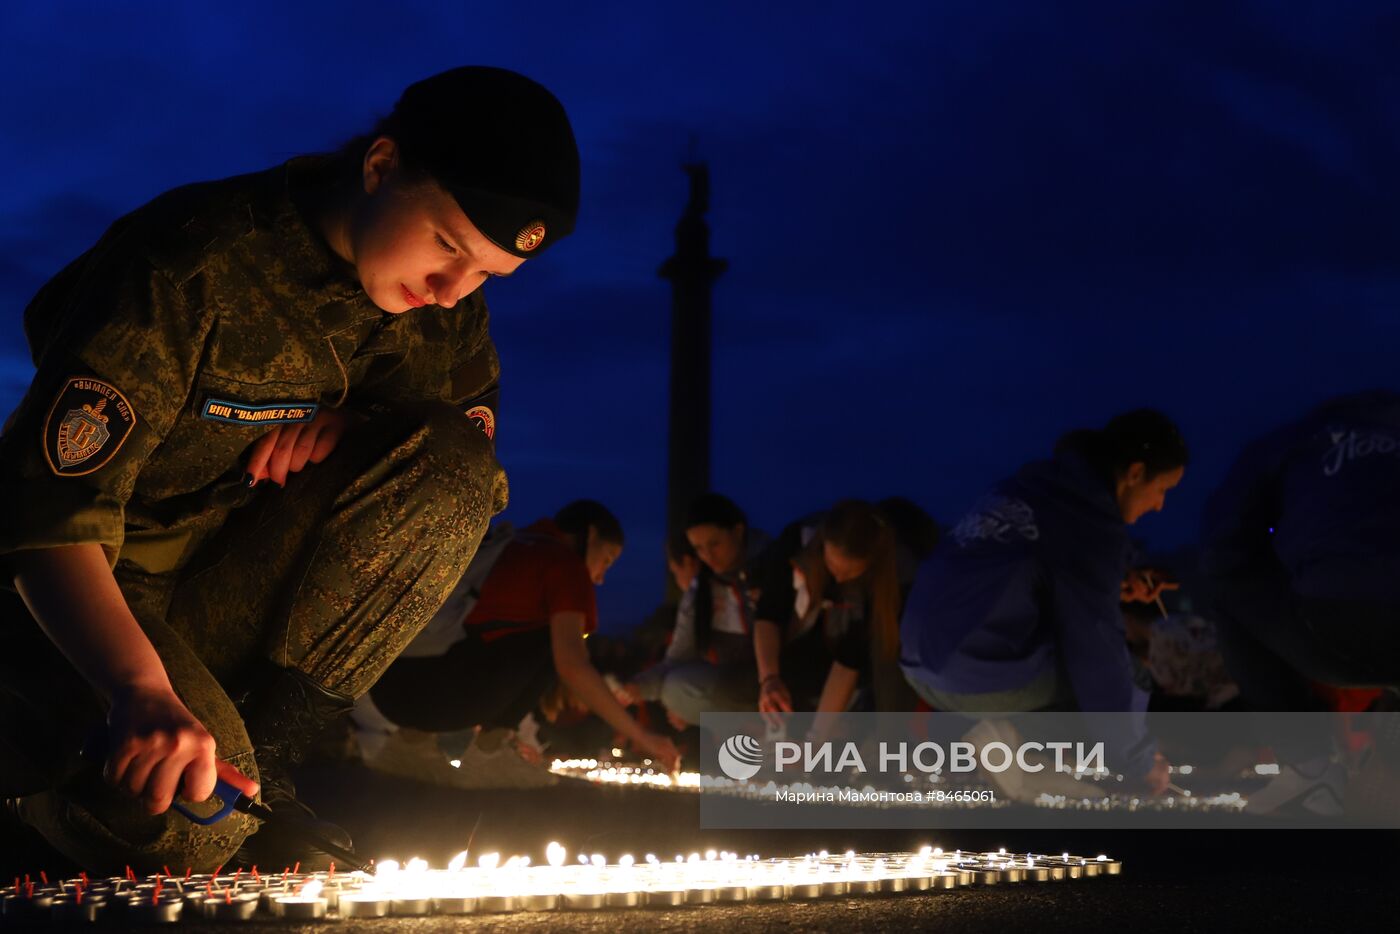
x=284, y=713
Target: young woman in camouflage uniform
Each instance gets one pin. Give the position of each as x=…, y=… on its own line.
x=255, y=458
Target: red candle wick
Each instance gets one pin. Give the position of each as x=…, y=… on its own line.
x=209, y=888
x=167, y=869
x=84, y=876
x=228, y=896
x=155, y=898
x=29, y=890
x=237, y=874
x=78, y=897
x=331, y=875
x=255, y=871
x=189, y=870
x=297, y=867
x=44, y=875
x=26, y=878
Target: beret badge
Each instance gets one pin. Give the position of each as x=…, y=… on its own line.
x=530, y=236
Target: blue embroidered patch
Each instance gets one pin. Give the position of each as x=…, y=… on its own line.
x=275, y=413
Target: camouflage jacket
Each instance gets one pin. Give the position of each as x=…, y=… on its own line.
x=195, y=324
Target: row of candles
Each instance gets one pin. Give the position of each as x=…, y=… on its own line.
x=496, y=886
x=1097, y=796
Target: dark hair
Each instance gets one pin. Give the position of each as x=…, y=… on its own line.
x=714, y=509
x=717, y=510
x=914, y=528
x=678, y=546
x=863, y=532
x=1143, y=436
x=576, y=518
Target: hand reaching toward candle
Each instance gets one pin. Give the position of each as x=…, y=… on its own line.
x=774, y=698
x=1144, y=585
x=659, y=748
x=1159, y=776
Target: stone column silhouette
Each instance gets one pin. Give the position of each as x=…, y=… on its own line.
x=692, y=272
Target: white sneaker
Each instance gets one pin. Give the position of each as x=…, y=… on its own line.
x=1316, y=788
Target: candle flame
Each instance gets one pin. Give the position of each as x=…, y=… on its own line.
x=387, y=868
x=598, y=860
x=312, y=889
x=417, y=864
x=555, y=854
x=458, y=862
x=489, y=860
x=626, y=861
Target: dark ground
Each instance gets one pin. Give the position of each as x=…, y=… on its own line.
x=1173, y=880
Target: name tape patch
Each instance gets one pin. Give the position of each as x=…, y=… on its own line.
x=87, y=424
x=272, y=413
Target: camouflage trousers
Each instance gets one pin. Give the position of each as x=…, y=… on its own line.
x=332, y=576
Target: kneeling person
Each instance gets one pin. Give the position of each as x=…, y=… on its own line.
x=536, y=607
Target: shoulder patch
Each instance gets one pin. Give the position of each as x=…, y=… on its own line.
x=87, y=424
x=485, y=419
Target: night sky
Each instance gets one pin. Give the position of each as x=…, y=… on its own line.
x=954, y=230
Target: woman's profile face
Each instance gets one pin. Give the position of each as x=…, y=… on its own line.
x=841, y=566
x=411, y=243
x=1139, y=494
x=599, y=556
x=721, y=549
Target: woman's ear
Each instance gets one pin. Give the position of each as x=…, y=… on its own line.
x=1136, y=474
x=381, y=158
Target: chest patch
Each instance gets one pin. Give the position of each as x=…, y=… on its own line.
x=268, y=413
x=87, y=424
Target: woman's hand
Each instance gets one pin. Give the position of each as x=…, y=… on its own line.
x=286, y=449
x=659, y=748
x=157, y=748
x=1144, y=585
x=774, y=698
x=1159, y=776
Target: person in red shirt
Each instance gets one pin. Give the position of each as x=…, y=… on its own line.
x=527, y=628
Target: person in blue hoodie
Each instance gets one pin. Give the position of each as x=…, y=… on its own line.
x=1301, y=559
x=1018, y=608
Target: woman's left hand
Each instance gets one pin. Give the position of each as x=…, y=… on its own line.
x=1144, y=585
x=286, y=449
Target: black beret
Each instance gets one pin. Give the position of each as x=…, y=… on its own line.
x=501, y=145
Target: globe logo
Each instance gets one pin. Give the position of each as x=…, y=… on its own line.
x=740, y=757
